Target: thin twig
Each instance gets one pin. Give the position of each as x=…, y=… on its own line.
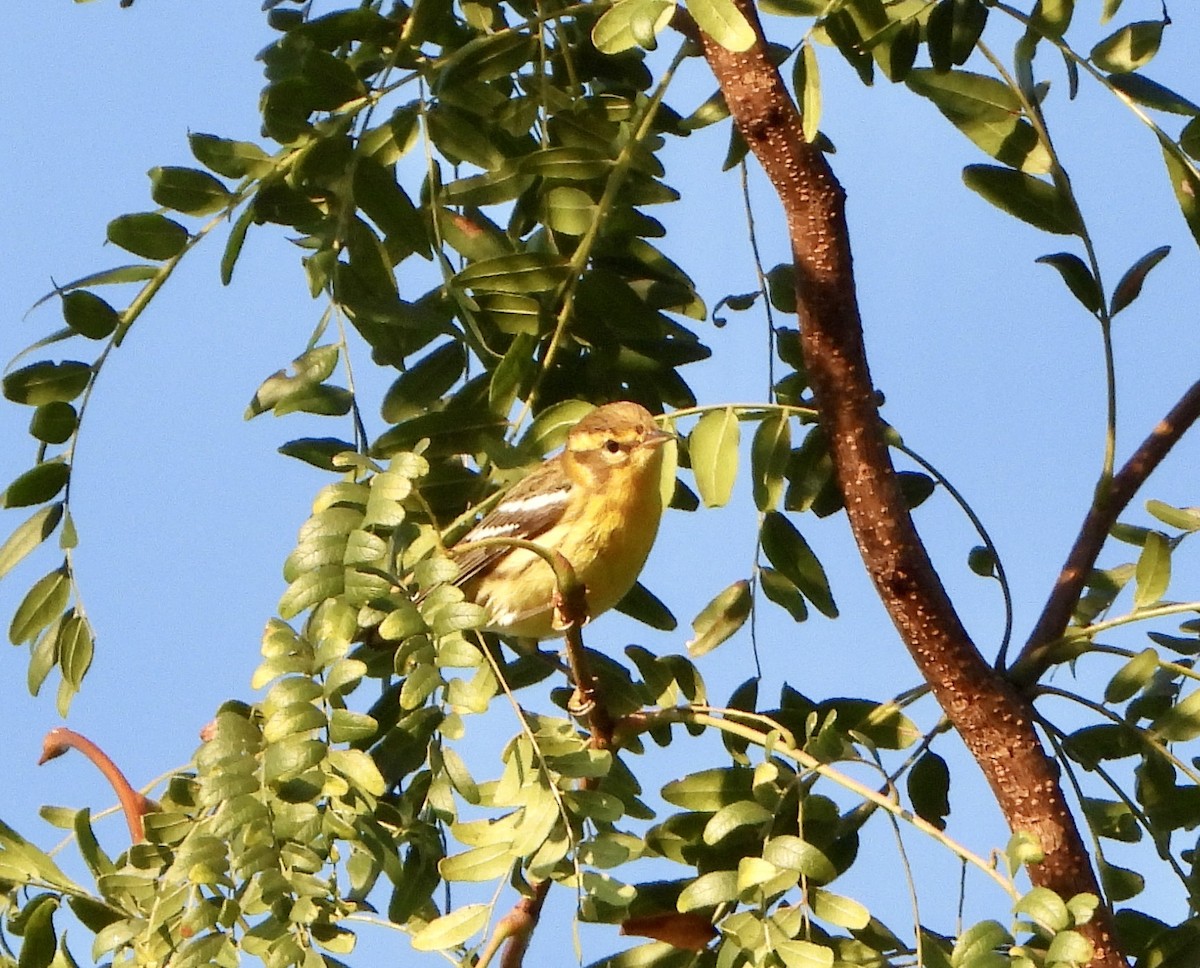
x=1101, y=516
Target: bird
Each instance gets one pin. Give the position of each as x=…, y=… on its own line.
x=597, y=502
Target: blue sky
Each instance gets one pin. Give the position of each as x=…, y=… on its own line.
x=186, y=512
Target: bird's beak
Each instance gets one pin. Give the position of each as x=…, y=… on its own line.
x=656, y=437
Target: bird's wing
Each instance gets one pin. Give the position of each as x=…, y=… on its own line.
x=531, y=508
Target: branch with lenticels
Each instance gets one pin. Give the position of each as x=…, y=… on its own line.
x=994, y=720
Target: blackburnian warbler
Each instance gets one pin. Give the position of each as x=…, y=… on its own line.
x=597, y=502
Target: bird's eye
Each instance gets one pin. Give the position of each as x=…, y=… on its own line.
x=612, y=446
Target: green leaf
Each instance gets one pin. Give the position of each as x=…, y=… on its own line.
x=1045, y=908
x=1030, y=199
x=187, y=190
x=1189, y=138
x=1023, y=848
x=233, y=159
x=953, y=29
x=642, y=604
x=1071, y=948
x=89, y=315
x=804, y=954
x=504, y=184
x=1131, y=47
x=783, y=593
x=720, y=619
x=710, y=790
x=769, y=456
x=486, y=58
x=39, y=941
x=787, y=550
x=713, y=446
x=788, y=852
x=1078, y=277
x=1052, y=17
x=486, y=863
x=835, y=909
x=28, y=535
x=708, y=890
x=37, y=485
x=233, y=245
x=515, y=370
x=1130, y=286
x=1120, y=884
x=1132, y=677
x=745, y=813
x=54, y=422
x=1181, y=722
x=45, y=382
x=521, y=272
x=978, y=940
x=1152, y=94
x=1185, y=519
x=929, y=789
x=42, y=604
x=1153, y=570
x=453, y=928
x=806, y=80
x=568, y=210
x=318, y=451
x=1186, y=186
x=1112, y=819
x=724, y=23
x=982, y=561
x=148, y=234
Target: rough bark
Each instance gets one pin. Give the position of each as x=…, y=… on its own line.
x=993, y=719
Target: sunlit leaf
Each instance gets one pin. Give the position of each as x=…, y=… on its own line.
x=835, y=909
x=28, y=535
x=720, y=619
x=723, y=22
x=453, y=928
x=713, y=445
x=626, y=23
x=769, y=456
x=1185, y=519
x=1131, y=47
x=1132, y=677
x=1153, y=570
x=42, y=604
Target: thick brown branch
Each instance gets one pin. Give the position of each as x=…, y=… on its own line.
x=1035, y=656
x=133, y=804
x=995, y=722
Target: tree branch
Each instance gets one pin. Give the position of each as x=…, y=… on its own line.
x=995, y=722
x=1036, y=657
x=133, y=804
